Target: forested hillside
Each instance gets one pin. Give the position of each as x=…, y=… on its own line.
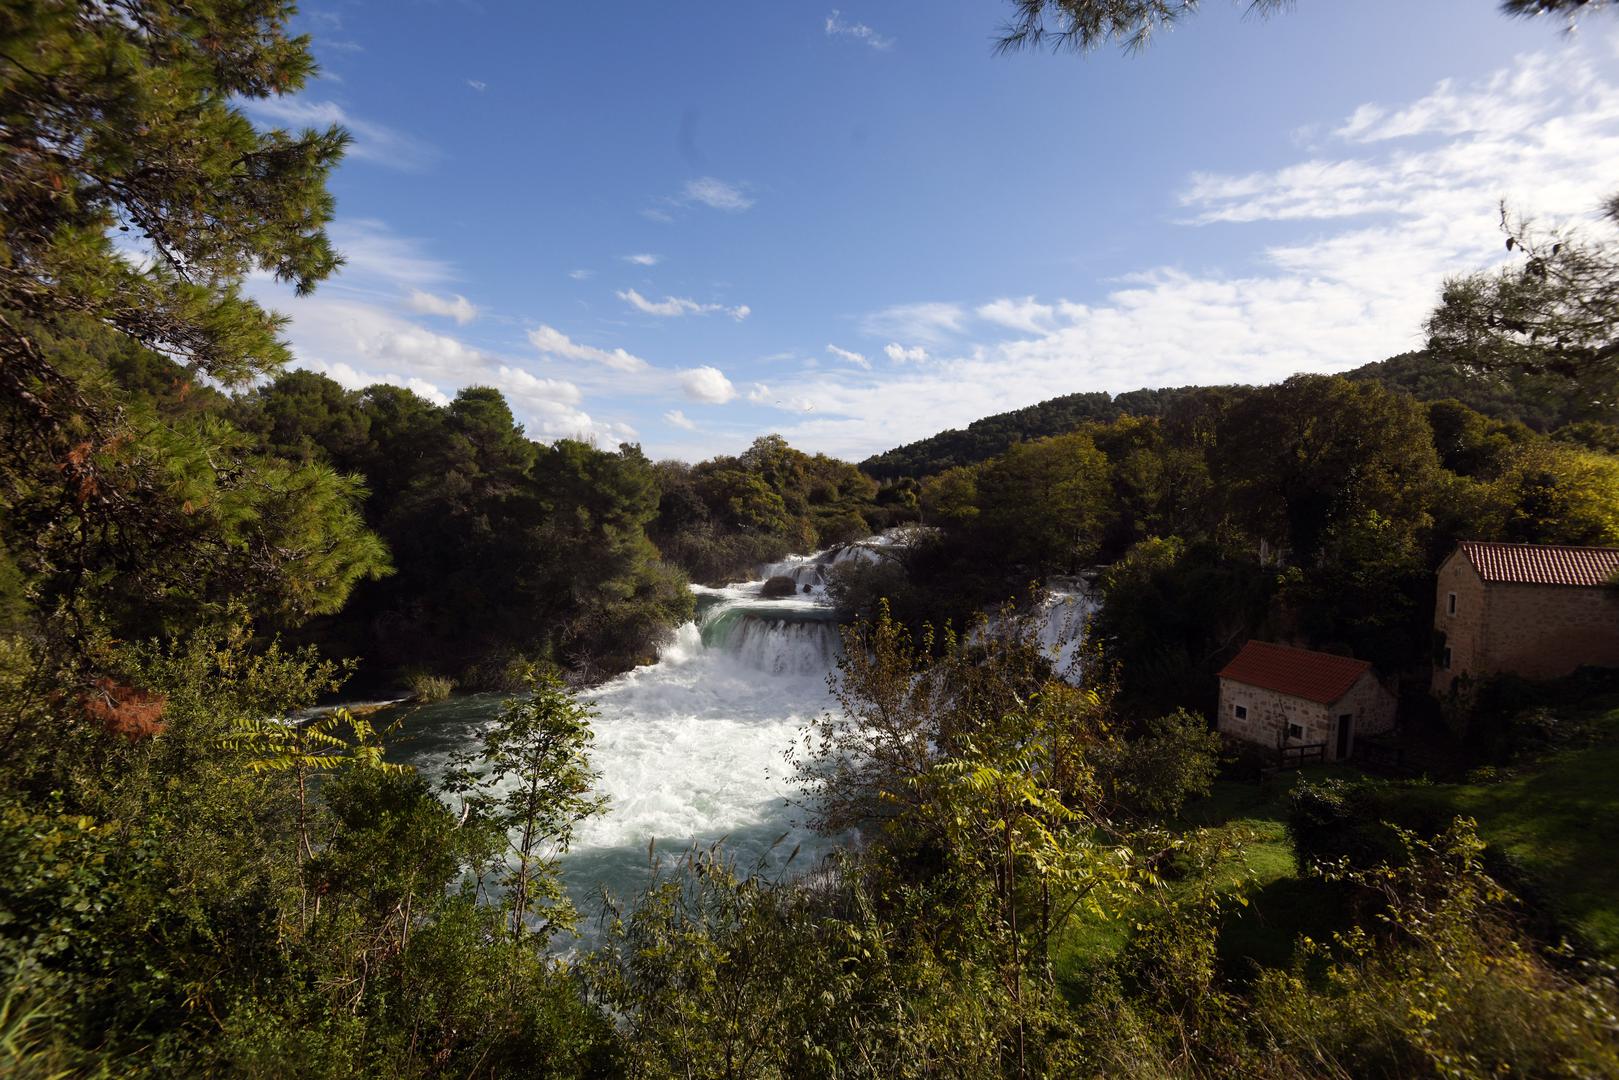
x=1542, y=403
x=985, y=438
x=1313, y=511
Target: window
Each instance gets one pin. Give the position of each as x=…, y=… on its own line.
x=1450, y=604
x=1295, y=732
x=1240, y=711
x=1447, y=657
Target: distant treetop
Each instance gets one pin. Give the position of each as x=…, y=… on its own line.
x=1083, y=25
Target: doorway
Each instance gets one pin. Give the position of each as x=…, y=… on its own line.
x=1345, y=723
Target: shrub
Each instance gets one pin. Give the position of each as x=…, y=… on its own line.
x=843, y=529
x=1447, y=987
x=428, y=688
x=1329, y=820
x=1175, y=758
x=1507, y=716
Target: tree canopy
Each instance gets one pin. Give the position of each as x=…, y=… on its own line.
x=1083, y=25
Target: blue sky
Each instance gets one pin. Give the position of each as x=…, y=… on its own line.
x=689, y=224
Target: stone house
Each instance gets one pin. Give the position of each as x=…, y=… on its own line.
x=1534, y=610
x=1280, y=696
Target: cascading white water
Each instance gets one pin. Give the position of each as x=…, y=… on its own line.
x=693, y=749
x=1067, y=606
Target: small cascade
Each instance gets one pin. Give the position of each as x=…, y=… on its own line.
x=809, y=572
x=809, y=577
x=776, y=642
x=1065, y=613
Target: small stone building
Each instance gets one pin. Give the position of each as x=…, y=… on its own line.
x=1279, y=696
x=1534, y=610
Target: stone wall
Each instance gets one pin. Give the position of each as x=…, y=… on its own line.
x=1464, y=631
x=1538, y=631
x=1373, y=707
x=1544, y=631
x=1270, y=713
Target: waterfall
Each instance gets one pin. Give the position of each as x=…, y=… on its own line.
x=770, y=643
x=691, y=748
x=809, y=572
x=1065, y=609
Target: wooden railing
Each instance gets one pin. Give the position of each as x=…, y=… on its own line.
x=1293, y=757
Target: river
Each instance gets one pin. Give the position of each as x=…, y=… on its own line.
x=693, y=749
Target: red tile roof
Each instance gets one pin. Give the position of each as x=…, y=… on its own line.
x=1314, y=676
x=1542, y=564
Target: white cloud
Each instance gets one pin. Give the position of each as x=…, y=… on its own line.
x=675, y=306
x=643, y=260
x=932, y=323
x=372, y=142
x=554, y=342
x=1512, y=100
x=371, y=250
x=1362, y=230
x=706, y=191
x=667, y=307
x=707, y=384
x=455, y=307
x=478, y=85
x=899, y=354
x=360, y=344
x=552, y=403
x=358, y=329
x=836, y=27
x=351, y=379
x=581, y=275
x=760, y=394
x=857, y=359
x=717, y=194
x=1026, y=314
x=680, y=420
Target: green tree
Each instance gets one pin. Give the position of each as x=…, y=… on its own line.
x=126, y=119
x=1316, y=450
x=1083, y=25
x=1552, y=314
x=1557, y=494
x=1172, y=614
x=127, y=116
x=1471, y=444
x=305, y=416
x=951, y=497
x=308, y=749
x=531, y=780
x=1046, y=502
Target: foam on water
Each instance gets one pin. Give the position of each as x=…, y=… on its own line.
x=1065, y=609
x=692, y=749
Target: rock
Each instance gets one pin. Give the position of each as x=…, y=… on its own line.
x=780, y=585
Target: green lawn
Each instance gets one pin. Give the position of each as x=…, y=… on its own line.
x=1555, y=817
x=1558, y=819
x=1280, y=906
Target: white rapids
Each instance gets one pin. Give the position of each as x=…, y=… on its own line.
x=695, y=748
